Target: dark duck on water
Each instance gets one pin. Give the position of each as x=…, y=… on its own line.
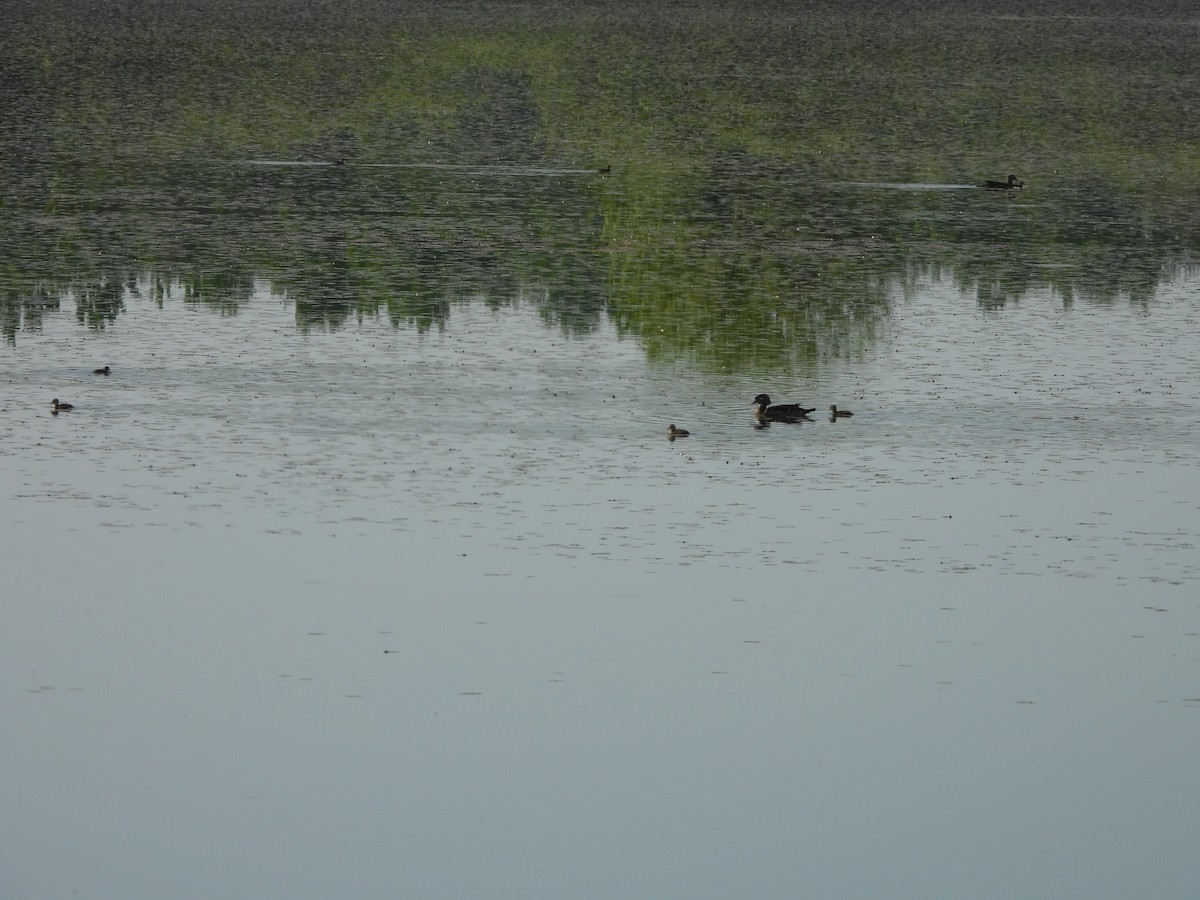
x=1003, y=185
x=784, y=412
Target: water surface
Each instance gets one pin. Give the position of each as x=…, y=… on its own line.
x=371, y=567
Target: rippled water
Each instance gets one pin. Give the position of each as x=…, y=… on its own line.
x=371, y=568
x=460, y=592
x=251, y=421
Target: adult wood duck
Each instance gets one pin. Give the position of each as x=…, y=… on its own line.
x=105, y=371
x=784, y=412
x=835, y=413
x=1003, y=185
x=55, y=406
x=673, y=432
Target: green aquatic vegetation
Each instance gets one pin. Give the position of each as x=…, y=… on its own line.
x=738, y=219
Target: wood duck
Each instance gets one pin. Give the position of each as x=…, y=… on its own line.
x=55, y=406
x=784, y=412
x=673, y=432
x=835, y=413
x=104, y=371
x=1003, y=185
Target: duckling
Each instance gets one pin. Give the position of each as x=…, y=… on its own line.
x=835, y=413
x=784, y=412
x=1003, y=185
x=105, y=371
x=55, y=406
x=673, y=432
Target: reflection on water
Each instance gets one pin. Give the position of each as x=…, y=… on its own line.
x=242, y=529
x=372, y=562
x=725, y=290
x=1029, y=396
x=734, y=192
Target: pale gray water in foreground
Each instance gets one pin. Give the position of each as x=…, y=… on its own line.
x=379, y=613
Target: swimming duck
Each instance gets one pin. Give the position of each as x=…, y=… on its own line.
x=55, y=406
x=835, y=413
x=673, y=432
x=104, y=371
x=784, y=412
x=1003, y=185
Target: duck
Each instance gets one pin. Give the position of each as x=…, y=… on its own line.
x=835, y=413
x=55, y=406
x=784, y=412
x=673, y=432
x=1003, y=185
x=105, y=371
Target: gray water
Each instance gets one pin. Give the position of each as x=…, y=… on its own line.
x=370, y=569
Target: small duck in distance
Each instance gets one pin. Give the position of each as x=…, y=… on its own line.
x=57, y=407
x=835, y=413
x=105, y=371
x=1003, y=185
x=784, y=412
x=673, y=432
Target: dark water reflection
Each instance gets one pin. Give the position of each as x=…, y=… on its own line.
x=754, y=269
x=733, y=195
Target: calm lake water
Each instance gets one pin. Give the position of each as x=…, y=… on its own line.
x=370, y=569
